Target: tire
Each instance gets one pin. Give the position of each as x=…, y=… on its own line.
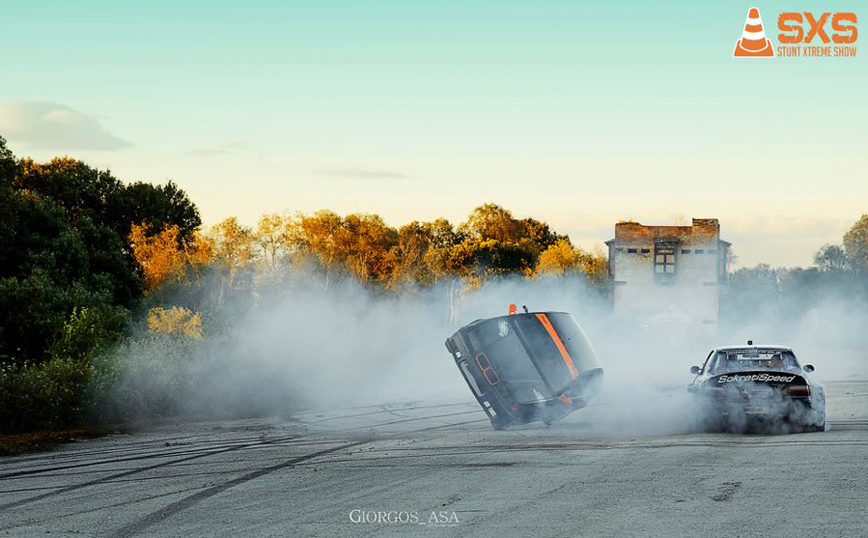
x=819, y=425
x=499, y=424
x=814, y=420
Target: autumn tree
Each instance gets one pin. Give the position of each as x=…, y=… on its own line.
x=366, y=246
x=537, y=236
x=475, y=259
x=490, y=221
x=421, y=252
x=176, y=320
x=317, y=236
x=159, y=256
x=270, y=241
x=559, y=259
x=856, y=244
x=233, y=249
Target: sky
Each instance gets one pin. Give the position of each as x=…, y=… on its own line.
x=577, y=113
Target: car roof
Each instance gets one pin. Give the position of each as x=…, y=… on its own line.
x=754, y=346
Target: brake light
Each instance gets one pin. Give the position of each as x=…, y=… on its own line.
x=798, y=390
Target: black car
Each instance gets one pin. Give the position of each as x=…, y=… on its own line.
x=535, y=366
x=741, y=388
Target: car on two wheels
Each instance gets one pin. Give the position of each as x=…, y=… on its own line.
x=526, y=367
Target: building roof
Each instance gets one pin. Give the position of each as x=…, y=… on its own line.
x=700, y=231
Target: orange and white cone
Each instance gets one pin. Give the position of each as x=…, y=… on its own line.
x=753, y=42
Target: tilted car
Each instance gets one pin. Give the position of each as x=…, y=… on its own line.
x=525, y=367
x=749, y=387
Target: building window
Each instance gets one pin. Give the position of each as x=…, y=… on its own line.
x=685, y=251
x=664, y=261
x=646, y=251
x=631, y=251
x=619, y=249
x=699, y=251
x=712, y=251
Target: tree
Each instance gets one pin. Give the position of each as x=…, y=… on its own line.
x=233, y=248
x=560, y=259
x=72, y=184
x=537, y=236
x=8, y=165
x=753, y=293
x=831, y=258
x=176, y=320
x=476, y=259
x=443, y=238
x=158, y=255
x=270, y=241
x=422, y=251
x=316, y=236
x=365, y=244
x=86, y=330
x=86, y=191
x=161, y=206
x=490, y=221
x=48, y=268
x=856, y=244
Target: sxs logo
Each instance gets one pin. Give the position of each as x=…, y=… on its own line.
x=803, y=34
x=803, y=27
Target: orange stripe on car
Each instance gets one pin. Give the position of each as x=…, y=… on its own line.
x=574, y=373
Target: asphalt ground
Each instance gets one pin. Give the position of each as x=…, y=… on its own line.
x=437, y=469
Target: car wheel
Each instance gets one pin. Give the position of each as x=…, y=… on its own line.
x=499, y=424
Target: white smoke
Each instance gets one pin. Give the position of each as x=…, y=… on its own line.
x=310, y=348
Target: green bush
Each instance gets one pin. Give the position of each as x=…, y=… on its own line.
x=143, y=378
x=87, y=330
x=47, y=396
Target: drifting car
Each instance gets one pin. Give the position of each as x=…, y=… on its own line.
x=525, y=367
x=749, y=387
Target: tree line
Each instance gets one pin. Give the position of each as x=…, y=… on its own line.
x=83, y=253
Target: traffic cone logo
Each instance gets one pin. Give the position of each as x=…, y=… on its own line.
x=753, y=42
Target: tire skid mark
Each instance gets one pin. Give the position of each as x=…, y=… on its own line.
x=217, y=449
x=73, y=487
x=415, y=419
x=78, y=453
x=146, y=456
x=727, y=490
x=384, y=409
x=191, y=455
x=168, y=511
x=198, y=451
x=97, y=509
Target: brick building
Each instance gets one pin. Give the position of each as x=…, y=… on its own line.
x=668, y=274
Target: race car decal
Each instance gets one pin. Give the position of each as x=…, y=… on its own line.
x=764, y=378
x=491, y=375
x=574, y=372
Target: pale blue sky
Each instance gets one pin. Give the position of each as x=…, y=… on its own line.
x=579, y=114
